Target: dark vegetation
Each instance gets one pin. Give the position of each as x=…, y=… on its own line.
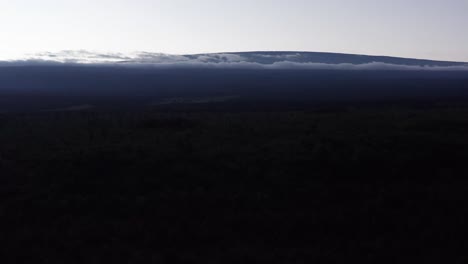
x=382, y=184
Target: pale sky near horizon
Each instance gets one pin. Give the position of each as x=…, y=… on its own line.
x=433, y=29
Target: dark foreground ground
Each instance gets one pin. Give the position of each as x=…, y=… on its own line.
x=382, y=185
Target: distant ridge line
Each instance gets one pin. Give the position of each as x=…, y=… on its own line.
x=328, y=53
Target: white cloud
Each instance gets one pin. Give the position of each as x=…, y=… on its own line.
x=221, y=60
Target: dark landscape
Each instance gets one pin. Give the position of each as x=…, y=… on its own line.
x=112, y=164
x=233, y=132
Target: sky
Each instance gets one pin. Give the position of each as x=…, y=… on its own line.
x=432, y=29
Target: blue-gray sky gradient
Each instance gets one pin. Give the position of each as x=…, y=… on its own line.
x=434, y=29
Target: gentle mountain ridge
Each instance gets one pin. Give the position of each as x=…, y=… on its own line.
x=259, y=59
x=270, y=57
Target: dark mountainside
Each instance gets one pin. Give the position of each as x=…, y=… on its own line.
x=63, y=86
x=150, y=78
x=143, y=165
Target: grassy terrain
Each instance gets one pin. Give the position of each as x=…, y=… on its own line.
x=235, y=187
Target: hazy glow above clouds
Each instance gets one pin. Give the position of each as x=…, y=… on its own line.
x=434, y=29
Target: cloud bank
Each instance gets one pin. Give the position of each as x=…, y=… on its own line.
x=250, y=60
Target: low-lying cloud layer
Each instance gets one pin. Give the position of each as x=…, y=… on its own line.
x=248, y=60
